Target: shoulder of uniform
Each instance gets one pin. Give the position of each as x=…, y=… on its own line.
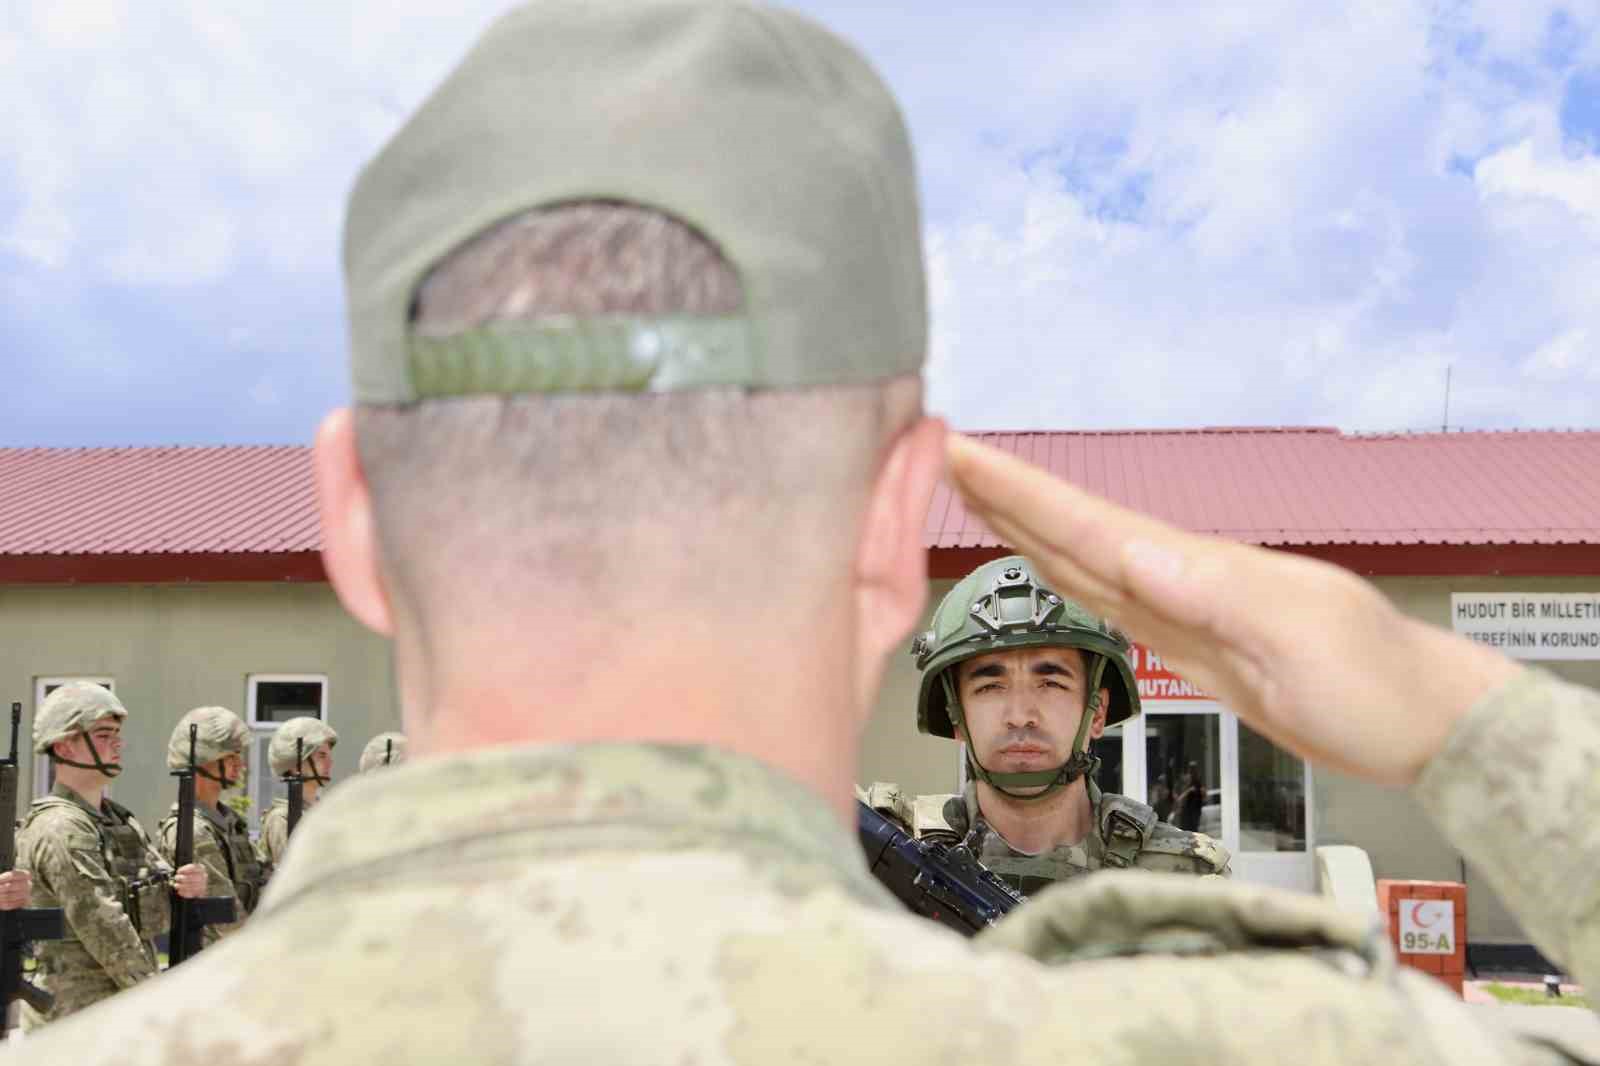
x=1207, y=856
x=61, y=820
x=55, y=809
x=938, y=812
x=888, y=799
x=1123, y=818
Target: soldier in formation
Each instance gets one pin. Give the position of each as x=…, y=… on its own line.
x=637, y=320
x=90, y=856
x=385, y=749
x=302, y=746
x=221, y=835
x=1026, y=678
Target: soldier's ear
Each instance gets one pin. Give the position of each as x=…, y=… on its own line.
x=1102, y=707
x=891, y=564
x=349, y=538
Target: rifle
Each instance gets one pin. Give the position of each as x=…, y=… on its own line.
x=190, y=916
x=297, y=786
x=31, y=923
x=933, y=879
x=388, y=750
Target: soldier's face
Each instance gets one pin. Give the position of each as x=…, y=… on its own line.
x=322, y=760
x=107, y=735
x=1023, y=706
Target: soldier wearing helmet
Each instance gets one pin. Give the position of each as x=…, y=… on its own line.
x=221, y=836
x=1026, y=679
x=385, y=749
x=90, y=857
x=313, y=740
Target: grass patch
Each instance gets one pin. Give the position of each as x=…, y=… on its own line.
x=1534, y=997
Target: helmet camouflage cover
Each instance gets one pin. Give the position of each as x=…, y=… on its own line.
x=220, y=732
x=382, y=750
x=71, y=710
x=1002, y=606
x=311, y=732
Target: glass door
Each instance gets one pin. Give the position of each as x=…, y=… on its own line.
x=1203, y=771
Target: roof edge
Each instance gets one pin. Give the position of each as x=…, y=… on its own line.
x=164, y=568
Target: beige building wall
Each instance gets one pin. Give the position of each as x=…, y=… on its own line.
x=174, y=647
x=1386, y=822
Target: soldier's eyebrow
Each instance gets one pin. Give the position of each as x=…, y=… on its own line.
x=1045, y=667
x=987, y=670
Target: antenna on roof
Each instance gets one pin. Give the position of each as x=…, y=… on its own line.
x=1445, y=428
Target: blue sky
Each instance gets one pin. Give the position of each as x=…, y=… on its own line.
x=1137, y=215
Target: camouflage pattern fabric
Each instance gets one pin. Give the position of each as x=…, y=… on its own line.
x=222, y=845
x=83, y=860
x=679, y=904
x=274, y=834
x=1516, y=789
x=1167, y=849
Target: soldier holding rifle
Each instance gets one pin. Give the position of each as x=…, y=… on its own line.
x=301, y=752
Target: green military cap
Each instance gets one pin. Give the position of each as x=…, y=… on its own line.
x=383, y=750
x=72, y=709
x=755, y=126
x=219, y=733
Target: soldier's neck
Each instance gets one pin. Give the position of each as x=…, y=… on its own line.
x=88, y=785
x=207, y=793
x=1036, y=826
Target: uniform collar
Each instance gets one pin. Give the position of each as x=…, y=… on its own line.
x=1092, y=844
x=60, y=791
x=536, y=803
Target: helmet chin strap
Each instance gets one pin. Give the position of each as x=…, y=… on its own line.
x=1079, y=763
x=110, y=769
x=221, y=777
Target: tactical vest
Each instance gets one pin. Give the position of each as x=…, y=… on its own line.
x=1123, y=833
x=124, y=849
x=246, y=872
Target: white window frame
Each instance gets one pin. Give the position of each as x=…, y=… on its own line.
x=41, y=763
x=259, y=729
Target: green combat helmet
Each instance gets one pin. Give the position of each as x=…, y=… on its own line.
x=1001, y=606
x=312, y=734
x=72, y=710
x=383, y=750
x=220, y=733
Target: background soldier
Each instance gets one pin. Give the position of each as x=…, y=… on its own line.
x=90, y=857
x=639, y=627
x=315, y=740
x=385, y=749
x=221, y=836
x=1026, y=679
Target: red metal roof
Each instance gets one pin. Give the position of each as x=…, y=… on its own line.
x=163, y=514
x=1303, y=487
x=1432, y=503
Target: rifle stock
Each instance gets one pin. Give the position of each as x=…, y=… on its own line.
x=18, y=927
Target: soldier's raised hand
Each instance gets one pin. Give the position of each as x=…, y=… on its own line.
x=1305, y=652
x=190, y=881
x=15, y=888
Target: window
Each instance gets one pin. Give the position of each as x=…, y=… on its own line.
x=272, y=700
x=44, y=771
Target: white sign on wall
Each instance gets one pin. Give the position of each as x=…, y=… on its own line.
x=1427, y=927
x=1531, y=625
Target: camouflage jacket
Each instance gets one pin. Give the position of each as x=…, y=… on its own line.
x=222, y=845
x=1122, y=833
x=730, y=910
x=274, y=834
x=99, y=867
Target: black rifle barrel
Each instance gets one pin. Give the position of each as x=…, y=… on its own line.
x=936, y=880
x=30, y=923
x=186, y=935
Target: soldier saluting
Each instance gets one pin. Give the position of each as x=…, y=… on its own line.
x=91, y=857
x=1026, y=678
x=222, y=838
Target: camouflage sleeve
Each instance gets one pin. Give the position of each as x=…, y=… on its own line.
x=1514, y=789
x=274, y=835
x=208, y=853
x=70, y=864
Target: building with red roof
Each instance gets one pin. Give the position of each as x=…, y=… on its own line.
x=191, y=575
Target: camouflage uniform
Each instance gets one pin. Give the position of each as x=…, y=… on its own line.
x=731, y=913
x=311, y=733
x=94, y=862
x=1001, y=606
x=98, y=866
x=221, y=837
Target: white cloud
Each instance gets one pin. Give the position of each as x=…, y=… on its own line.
x=1262, y=212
